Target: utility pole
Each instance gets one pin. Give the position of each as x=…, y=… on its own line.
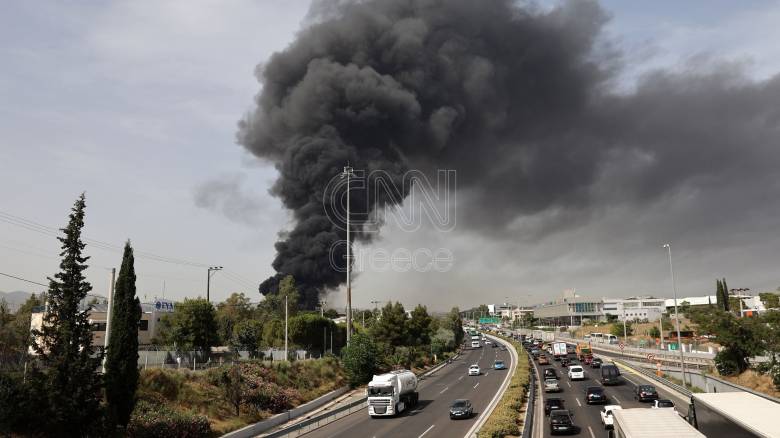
x=738, y=292
x=286, y=355
x=208, y=279
x=661, y=330
x=108, y=315
x=348, y=173
x=676, y=315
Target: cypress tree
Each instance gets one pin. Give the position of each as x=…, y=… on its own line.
x=726, y=305
x=122, y=356
x=719, y=294
x=68, y=382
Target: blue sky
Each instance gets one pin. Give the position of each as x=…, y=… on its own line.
x=136, y=103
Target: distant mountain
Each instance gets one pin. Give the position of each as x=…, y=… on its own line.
x=15, y=298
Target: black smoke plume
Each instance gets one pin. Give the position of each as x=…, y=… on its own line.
x=518, y=100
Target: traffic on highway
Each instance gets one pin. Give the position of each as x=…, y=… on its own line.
x=448, y=403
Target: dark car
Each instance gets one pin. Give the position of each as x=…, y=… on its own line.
x=645, y=393
x=595, y=394
x=553, y=403
x=565, y=362
x=595, y=362
x=461, y=408
x=610, y=375
x=549, y=373
x=561, y=422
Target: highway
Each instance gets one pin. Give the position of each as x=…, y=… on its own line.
x=587, y=417
x=430, y=418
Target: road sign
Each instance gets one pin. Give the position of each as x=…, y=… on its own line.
x=650, y=357
x=622, y=346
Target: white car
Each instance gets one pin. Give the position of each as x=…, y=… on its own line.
x=663, y=404
x=551, y=385
x=576, y=373
x=606, y=415
x=475, y=344
x=474, y=370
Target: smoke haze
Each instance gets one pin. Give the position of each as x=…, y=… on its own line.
x=521, y=102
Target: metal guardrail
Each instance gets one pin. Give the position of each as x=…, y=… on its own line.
x=314, y=423
x=666, y=382
x=528, y=425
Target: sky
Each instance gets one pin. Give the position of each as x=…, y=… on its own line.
x=137, y=104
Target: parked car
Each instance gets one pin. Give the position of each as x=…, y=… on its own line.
x=543, y=360
x=551, y=385
x=553, y=403
x=576, y=373
x=474, y=370
x=645, y=393
x=595, y=362
x=606, y=415
x=461, y=408
x=595, y=394
x=663, y=403
x=561, y=421
x=499, y=365
x=549, y=373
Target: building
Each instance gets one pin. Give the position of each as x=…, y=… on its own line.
x=570, y=311
x=148, y=326
x=634, y=308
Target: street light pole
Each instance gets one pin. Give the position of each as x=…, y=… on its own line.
x=286, y=355
x=668, y=246
x=348, y=173
x=208, y=279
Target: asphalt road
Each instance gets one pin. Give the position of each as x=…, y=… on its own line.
x=430, y=418
x=587, y=417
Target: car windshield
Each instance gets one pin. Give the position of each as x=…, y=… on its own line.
x=665, y=404
x=576, y=369
x=646, y=388
x=551, y=382
x=559, y=417
x=554, y=402
x=595, y=391
x=498, y=362
x=460, y=404
x=380, y=390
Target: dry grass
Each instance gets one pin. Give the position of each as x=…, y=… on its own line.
x=755, y=381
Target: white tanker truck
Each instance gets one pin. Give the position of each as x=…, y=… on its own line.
x=391, y=393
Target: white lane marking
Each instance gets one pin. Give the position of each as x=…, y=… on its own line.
x=592, y=435
x=426, y=430
x=460, y=378
x=487, y=373
x=578, y=402
x=442, y=391
x=568, y=384
x=616, y=399
x=475, y=386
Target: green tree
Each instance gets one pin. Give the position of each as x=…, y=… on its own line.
x=194, y=325
x=122, y=356
x=21, y=323
x=454, y=323
x=655, y=333
x=419, y=326
x=68, y=382
x=738, y=336
x=391, y=327
x=247, y=335
x=771, y=300
x=308, y=331
x=273, y=333
x=443, y=340
x=331, y=314
x=617, y=329
x=360, y=359
x=722, y=293
x=235, y=309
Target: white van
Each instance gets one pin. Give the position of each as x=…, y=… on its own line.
x=612, y=339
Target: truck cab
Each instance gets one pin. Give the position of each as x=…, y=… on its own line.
x=391, y=393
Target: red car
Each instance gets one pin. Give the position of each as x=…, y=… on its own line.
x=587, y=359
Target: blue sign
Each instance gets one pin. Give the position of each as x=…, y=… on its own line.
x=163, y=306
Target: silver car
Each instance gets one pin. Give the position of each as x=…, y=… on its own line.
x=551, y=385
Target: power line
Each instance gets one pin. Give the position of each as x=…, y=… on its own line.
x=24, y=279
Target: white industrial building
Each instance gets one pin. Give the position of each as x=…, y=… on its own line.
x=634, y=308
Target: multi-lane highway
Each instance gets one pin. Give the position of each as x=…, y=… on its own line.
x=430, y=418
x=587, y=417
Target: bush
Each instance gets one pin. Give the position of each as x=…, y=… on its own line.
x=15, y=407
x=505, y=418
x=729, y=362
x=153, y=420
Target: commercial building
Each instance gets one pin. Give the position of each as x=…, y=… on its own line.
x=148, y=326
x=570, y=311
x=634, y=308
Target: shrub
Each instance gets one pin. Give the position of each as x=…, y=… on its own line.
x=153, y=420
x=15, y=406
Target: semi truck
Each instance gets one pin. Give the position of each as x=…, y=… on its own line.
x=734, y=415
x=651, y=423
x=391, y=393
x=559, y=350
x=584, y=352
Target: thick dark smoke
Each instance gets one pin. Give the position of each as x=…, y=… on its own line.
x=518, y=101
